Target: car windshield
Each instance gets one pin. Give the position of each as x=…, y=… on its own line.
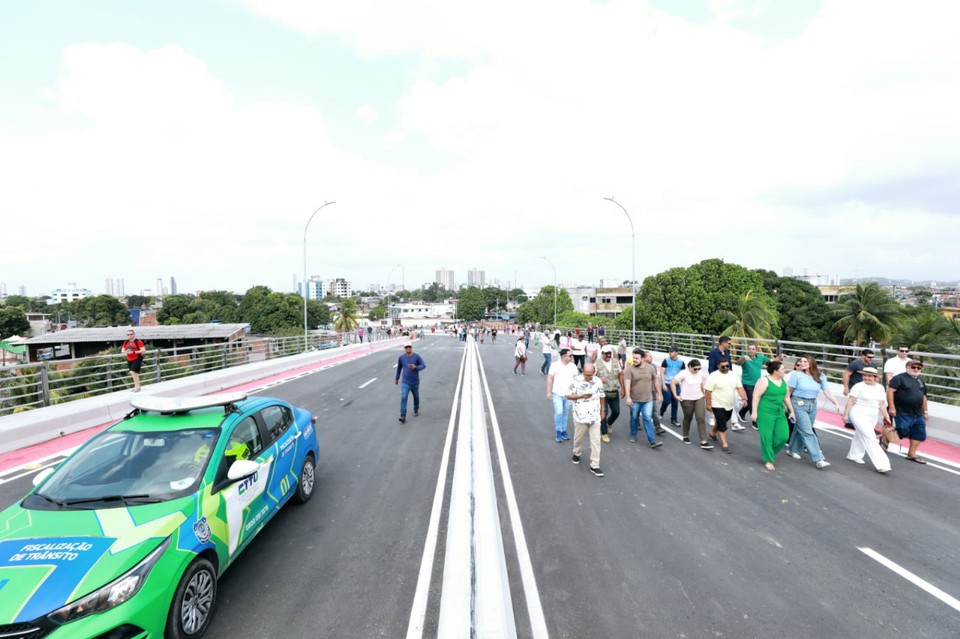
x=126, y=468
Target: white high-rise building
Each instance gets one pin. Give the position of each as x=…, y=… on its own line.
x=445, y=278
x=475, y=277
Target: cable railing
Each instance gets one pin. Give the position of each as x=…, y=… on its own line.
x=35, y=385
x=941, y=371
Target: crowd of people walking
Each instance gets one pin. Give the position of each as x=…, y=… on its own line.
x=782, y=406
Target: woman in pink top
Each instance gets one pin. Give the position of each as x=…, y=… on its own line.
x=690, y=392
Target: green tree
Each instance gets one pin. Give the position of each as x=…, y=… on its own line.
x=175, y=307
x=318, y=313
x=518, y=295
x=754, y=318
x=20, y=301
x=102, y=310
x=471, y=305
x=13, y=321
x=378, y=312
x=869, y=313
x=540, y=309
x=347, y=319
x=926, y=329
x=804, y=315
x=137, y=301
x=574, y=319
x=270, y=313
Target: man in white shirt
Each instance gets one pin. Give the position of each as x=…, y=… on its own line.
x=898, y=364
x=559, y=379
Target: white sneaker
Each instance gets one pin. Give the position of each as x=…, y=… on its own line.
x=737, y=427
x=823, y=463
x=856, y=461
x=794, y=455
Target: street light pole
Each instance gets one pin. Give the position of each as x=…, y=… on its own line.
x=306, y=338
x=554, y=291
x=633, y=269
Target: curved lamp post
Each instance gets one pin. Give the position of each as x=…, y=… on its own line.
x=633, y=267
x=306, y=338
x=554, y=290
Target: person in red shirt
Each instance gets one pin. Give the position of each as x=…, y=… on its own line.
x=134, y=349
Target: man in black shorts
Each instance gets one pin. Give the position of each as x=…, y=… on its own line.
x=134, y=349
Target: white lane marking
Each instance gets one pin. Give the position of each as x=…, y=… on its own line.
x=418, y=611
x=895, y=450
x=27, y=473
x=912, y=578
x=528, y=578
x=368, y=383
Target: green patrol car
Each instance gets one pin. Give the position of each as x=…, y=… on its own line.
x=127, y=537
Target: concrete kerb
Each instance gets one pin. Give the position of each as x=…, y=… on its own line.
x=43, y=424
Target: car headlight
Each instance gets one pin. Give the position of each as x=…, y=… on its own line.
x=121, y=589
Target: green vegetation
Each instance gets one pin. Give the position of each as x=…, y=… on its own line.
x=869, y=313
x=540, y=308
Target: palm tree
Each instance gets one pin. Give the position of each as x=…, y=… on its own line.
x=347, y=319
x=869, y=313
x=753, y=318
x=927, y=330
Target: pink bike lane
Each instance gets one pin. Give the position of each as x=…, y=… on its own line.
x=31, y=456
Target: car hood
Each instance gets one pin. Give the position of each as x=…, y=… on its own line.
x=49, y=558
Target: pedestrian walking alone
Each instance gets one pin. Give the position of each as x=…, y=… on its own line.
x=769, y=401
x=409, y=365
x=520, y=357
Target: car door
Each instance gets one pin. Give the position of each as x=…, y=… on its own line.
x=244, y=501
x=278, y=420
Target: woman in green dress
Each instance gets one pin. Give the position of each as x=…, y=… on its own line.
x=770, y=403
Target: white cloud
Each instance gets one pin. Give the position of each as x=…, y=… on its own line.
x=699, y=130
x=367, y=114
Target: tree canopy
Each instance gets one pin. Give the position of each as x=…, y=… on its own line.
x=540, y=309
x=13, y=321
x=869, y=313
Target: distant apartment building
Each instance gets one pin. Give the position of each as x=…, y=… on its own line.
x=475, y=277
x=3, y=290
x=173, y=285
x=339, y=288
x=444, y=278
x=584, y=298
x=63, y=295
x=162, y=290
x=315, y=287
x=612, y=300
x=114, y=286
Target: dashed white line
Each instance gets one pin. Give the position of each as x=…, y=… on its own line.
x=364, y=385
x=912, y=578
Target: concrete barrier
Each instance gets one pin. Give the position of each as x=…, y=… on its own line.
x=43, y=424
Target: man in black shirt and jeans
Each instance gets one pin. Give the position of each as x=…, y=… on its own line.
x=907, y=403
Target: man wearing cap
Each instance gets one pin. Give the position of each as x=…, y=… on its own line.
x=595, y=355
x=409, y=365
x=671, y=365
x=559, y=379
x=611, y=376
x=640, y=382
x=853, y=375
x=907, y=403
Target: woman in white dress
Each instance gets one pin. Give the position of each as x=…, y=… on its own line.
x=866, y=402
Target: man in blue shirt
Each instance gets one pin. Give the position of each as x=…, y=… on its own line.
x=671, y=365
x=719, y=354
x=409, y=366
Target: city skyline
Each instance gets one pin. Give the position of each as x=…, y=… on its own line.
x=143, y=138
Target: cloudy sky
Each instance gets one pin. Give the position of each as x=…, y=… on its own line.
x=195, y=138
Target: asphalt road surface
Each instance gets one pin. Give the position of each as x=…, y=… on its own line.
x=673, y=542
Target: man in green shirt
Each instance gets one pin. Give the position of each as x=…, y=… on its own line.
x=751, y=366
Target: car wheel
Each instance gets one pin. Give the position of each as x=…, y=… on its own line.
x=193, y=602
x=307, y=480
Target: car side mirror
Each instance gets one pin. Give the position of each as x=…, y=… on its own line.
x=41, y=477
x=241, y=469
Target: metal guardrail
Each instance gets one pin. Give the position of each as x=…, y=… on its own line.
x=29, y=386
x=941, y=371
